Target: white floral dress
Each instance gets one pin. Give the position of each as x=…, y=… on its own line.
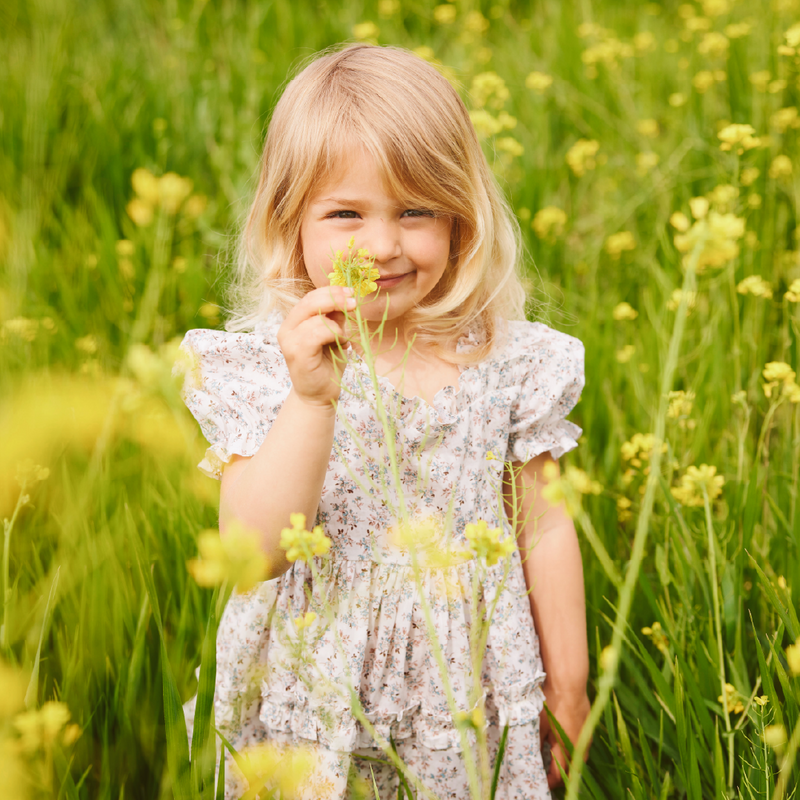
x=511, y=405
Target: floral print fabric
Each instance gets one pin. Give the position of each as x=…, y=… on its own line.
x=511, y=405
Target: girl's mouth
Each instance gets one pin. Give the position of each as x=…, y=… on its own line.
x=389, y=281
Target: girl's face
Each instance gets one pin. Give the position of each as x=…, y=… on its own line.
x=411, y=245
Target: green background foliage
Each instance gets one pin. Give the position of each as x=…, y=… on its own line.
x=90, y=92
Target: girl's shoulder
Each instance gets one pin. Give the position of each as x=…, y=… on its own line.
x=524, y=345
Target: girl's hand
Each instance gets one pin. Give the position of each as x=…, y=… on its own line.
x=571, y=711
x=306, y=337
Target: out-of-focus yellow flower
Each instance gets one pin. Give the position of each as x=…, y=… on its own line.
x=676, y=297
x=620, y=242
x=549, y=222
x=760, y=80
x=484, y=123
x=646, y=162
x=14, y=684
x=301, y=544
x=699, y=207
x=640, y=448
x=677, y=99
x=657, y=636
x=644, y=41
x=305, y=621
x=626, y=354
x=784, y=119
x=236, y=557
x=568, y=487
x=145, y=184
x=624, y=509
x=172, y=191
x=140, y=212
x=713, y=44
x=539, y=82
x=793, y=657
x=775, y=736
x=781, y=167
x=703, y=81
x=648, y=128
x=717, y=233
x=755, y=285
x=689, y=492
x=124, y=248
x=581, y=156
x=28, y=473
x=195, y=205
x=510, y=146
x=87, y=344
x=737, y=30
x=490, y=456
x=475, y=719
x=732, y=699
x=43, y=727
x=624, y=311
x=723, y=196
x=793, y=295
x=485, y=542
x=608, y=658
x=680, y=404
x=475, y=22
x=761, y=700
x=388, y=8
x=20, y=327
x=489, y=89
x=749, y=176
x=680, y=221
x=365, y=31
x=778, y=371
x=273, y=766
x=445, y=14
x=792, y=36
x=716, y=8
x=743, y=136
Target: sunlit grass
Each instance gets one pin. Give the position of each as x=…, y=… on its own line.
x=628, y=141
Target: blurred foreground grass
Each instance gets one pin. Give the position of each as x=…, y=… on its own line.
x=610, y=127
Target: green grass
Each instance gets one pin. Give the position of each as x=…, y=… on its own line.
x=83, y=92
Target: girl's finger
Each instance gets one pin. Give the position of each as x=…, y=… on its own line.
x=326, y=300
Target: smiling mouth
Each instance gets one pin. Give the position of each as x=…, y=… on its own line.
x=388, y=281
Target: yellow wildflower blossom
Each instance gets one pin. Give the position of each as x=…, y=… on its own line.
x=302, y=544
x=793, y=657
x=475, y=719
x=490, y=456
x=624, y=355
x=624, y=311
x=581, y=156
x=677, y=99
x=549, y=222
x=713, y=44
x=276, y=767
x=792, y=36
x=510, y=146
x=741, y=135
x=620, y=242
x=723, y=196
x=676, y=297
x=489, y=89
x=736, y=30
x=648, y=128
x=145, y=185
x=14, y=683
x=304, y=621
x=690, y=490
x=140, y=212
x=644, y=41
x=793, y=295
x=755, y=285
x=172, y=191
x=781, y=167
x=761, y=700
x=42, y=727
x=749, y=176
x=778, y=371
x=608, y=658
x=784, y=119
x=445, y=14
x=699, y=207
x=355, y=270
x=475, y=22
x=657, y=637
x=640, y=448
x=236, y=557
x=538, y=82
x=703, y=81
x=484, y=123
x=366, y=31
x=775, y=736
x=732, y=699
x=485, y=542
x=568, y=487
x=624, y=509
x=680, y=404
x=760, y=80
x=680, y=221
x=646, y=162
x=388, y=8
x=28, y=473
x=718, y=234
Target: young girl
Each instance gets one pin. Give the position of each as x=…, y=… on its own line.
x=373, y=145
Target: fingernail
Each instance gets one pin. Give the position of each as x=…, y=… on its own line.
x=351, y=303
x=348, y=290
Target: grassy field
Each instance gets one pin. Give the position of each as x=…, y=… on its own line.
x=662, y=236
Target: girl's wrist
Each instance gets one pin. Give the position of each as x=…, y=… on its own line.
x=316, y=409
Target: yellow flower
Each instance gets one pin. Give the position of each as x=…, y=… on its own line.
x=646, y=162
x=489, y=89
x=490, y=456
x=775, y=736
x=713, y=44
x=755, y=285
x=793, y=657
x=145, y=184
x=626, y=354
x=475, y=719
x=624, y=509
x=703, y=81
x=648, y=128
x=14, y=684
x=549, y=222
x=675, y=299
x=608, y=658
x=445, y=14
x=722, y=196
x=124, y=248
x=781, y=167
x=640, y=448
x=302, y=544
x=737, y=30
x=680, y=404
x=718, y=234
x=475, y=22
x=778, y=371
x=388, y=8
x=761, y=700
x=140, y=212
x=699, y=207
x=692, y=483
x=539, y=82
x=792, y=36
x=29, y=474
x=657, y=637
x=568, y=487
x=356, y=270
x=741, y=135
x=277, y=767
x=749, y=176
x=509, y=145
x=581, y=156
x=793, y=295
x=87, y=344
x=305, y=621
x=617, y=243
x=484, y=123
x=41, y=727
x=677, y=99
x=366, y=30
x=624, y=311
x=644, y=41
x=195, y=205
x=236, y=557
x=485, y=542
x=172, y=191
x=784, y=119
x=680, y=221
x=732, y=699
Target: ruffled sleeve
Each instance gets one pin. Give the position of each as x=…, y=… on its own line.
x=548, y=367
x=235, y=386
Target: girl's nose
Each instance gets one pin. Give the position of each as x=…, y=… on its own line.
x=384, y=240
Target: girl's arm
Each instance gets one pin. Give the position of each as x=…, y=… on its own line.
x=286, y=475
x=553, y=569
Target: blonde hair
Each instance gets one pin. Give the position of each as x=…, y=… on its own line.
x=412, y=121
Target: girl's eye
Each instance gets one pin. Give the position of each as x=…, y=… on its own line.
x=343, y=215
x=417, y=212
